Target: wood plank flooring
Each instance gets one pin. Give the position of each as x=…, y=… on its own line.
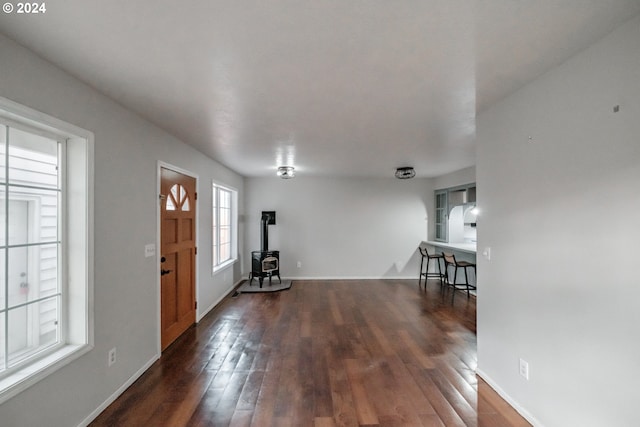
x=322, y=354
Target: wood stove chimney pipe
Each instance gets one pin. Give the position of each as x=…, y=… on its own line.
x=265, y=232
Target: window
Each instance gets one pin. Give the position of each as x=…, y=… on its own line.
x=29, y=244
x=224, y=226
x=441, y=215
x=179, y=198
x=45, y=279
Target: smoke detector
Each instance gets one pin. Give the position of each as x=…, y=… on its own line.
x=405, y=172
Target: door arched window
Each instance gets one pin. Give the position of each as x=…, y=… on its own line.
x=178, y=199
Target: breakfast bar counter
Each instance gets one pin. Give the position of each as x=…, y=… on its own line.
x=469, y=248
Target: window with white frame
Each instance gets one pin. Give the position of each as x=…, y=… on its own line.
x=224, y=226
x=45, y=274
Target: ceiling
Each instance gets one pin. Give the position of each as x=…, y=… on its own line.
x=332, y=87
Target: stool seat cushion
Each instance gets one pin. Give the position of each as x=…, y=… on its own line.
x=465, y=264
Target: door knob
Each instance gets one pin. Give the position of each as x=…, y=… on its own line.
x=163, y=272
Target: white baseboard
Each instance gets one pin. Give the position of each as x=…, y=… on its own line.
x=216, y=302
x=525, y=414
x=345, y=278
x=118, y=392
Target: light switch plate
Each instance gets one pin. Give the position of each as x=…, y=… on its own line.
x=487, y=253
x=149, y=250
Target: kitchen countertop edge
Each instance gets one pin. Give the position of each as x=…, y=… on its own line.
x=462, y=247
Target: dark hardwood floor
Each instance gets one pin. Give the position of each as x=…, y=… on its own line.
x=324, y=353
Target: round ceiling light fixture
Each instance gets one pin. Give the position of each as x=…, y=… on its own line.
x=286, y=172
x=405, y=172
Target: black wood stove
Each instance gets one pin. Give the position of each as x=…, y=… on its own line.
x=265, y=263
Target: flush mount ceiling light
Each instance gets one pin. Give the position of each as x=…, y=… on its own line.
x=286, y=172
x=406, y=172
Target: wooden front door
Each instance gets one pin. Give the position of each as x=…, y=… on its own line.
x=178, y=250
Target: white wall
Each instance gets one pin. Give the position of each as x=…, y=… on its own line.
x=127, y=151
x=341, y=227
x=460, y=177
x=561, y=216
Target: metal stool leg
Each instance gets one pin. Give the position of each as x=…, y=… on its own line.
x=446, y=272
x=455, y=276
x=466, y=279
x=426, y=273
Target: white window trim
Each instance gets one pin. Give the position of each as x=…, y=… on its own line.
x=78, y=336
x=224, y=265
x=234, y=227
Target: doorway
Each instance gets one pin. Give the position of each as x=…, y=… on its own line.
x=177, y=254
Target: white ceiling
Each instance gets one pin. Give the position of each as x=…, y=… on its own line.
x=333, y=87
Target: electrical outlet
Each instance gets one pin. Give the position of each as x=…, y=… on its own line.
x=111, y=357
x=524, y=369
x=299, y=264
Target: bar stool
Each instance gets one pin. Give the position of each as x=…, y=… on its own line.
x=450, y=260
x=425, y=273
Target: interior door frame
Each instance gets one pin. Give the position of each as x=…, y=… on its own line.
x=174, y=168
